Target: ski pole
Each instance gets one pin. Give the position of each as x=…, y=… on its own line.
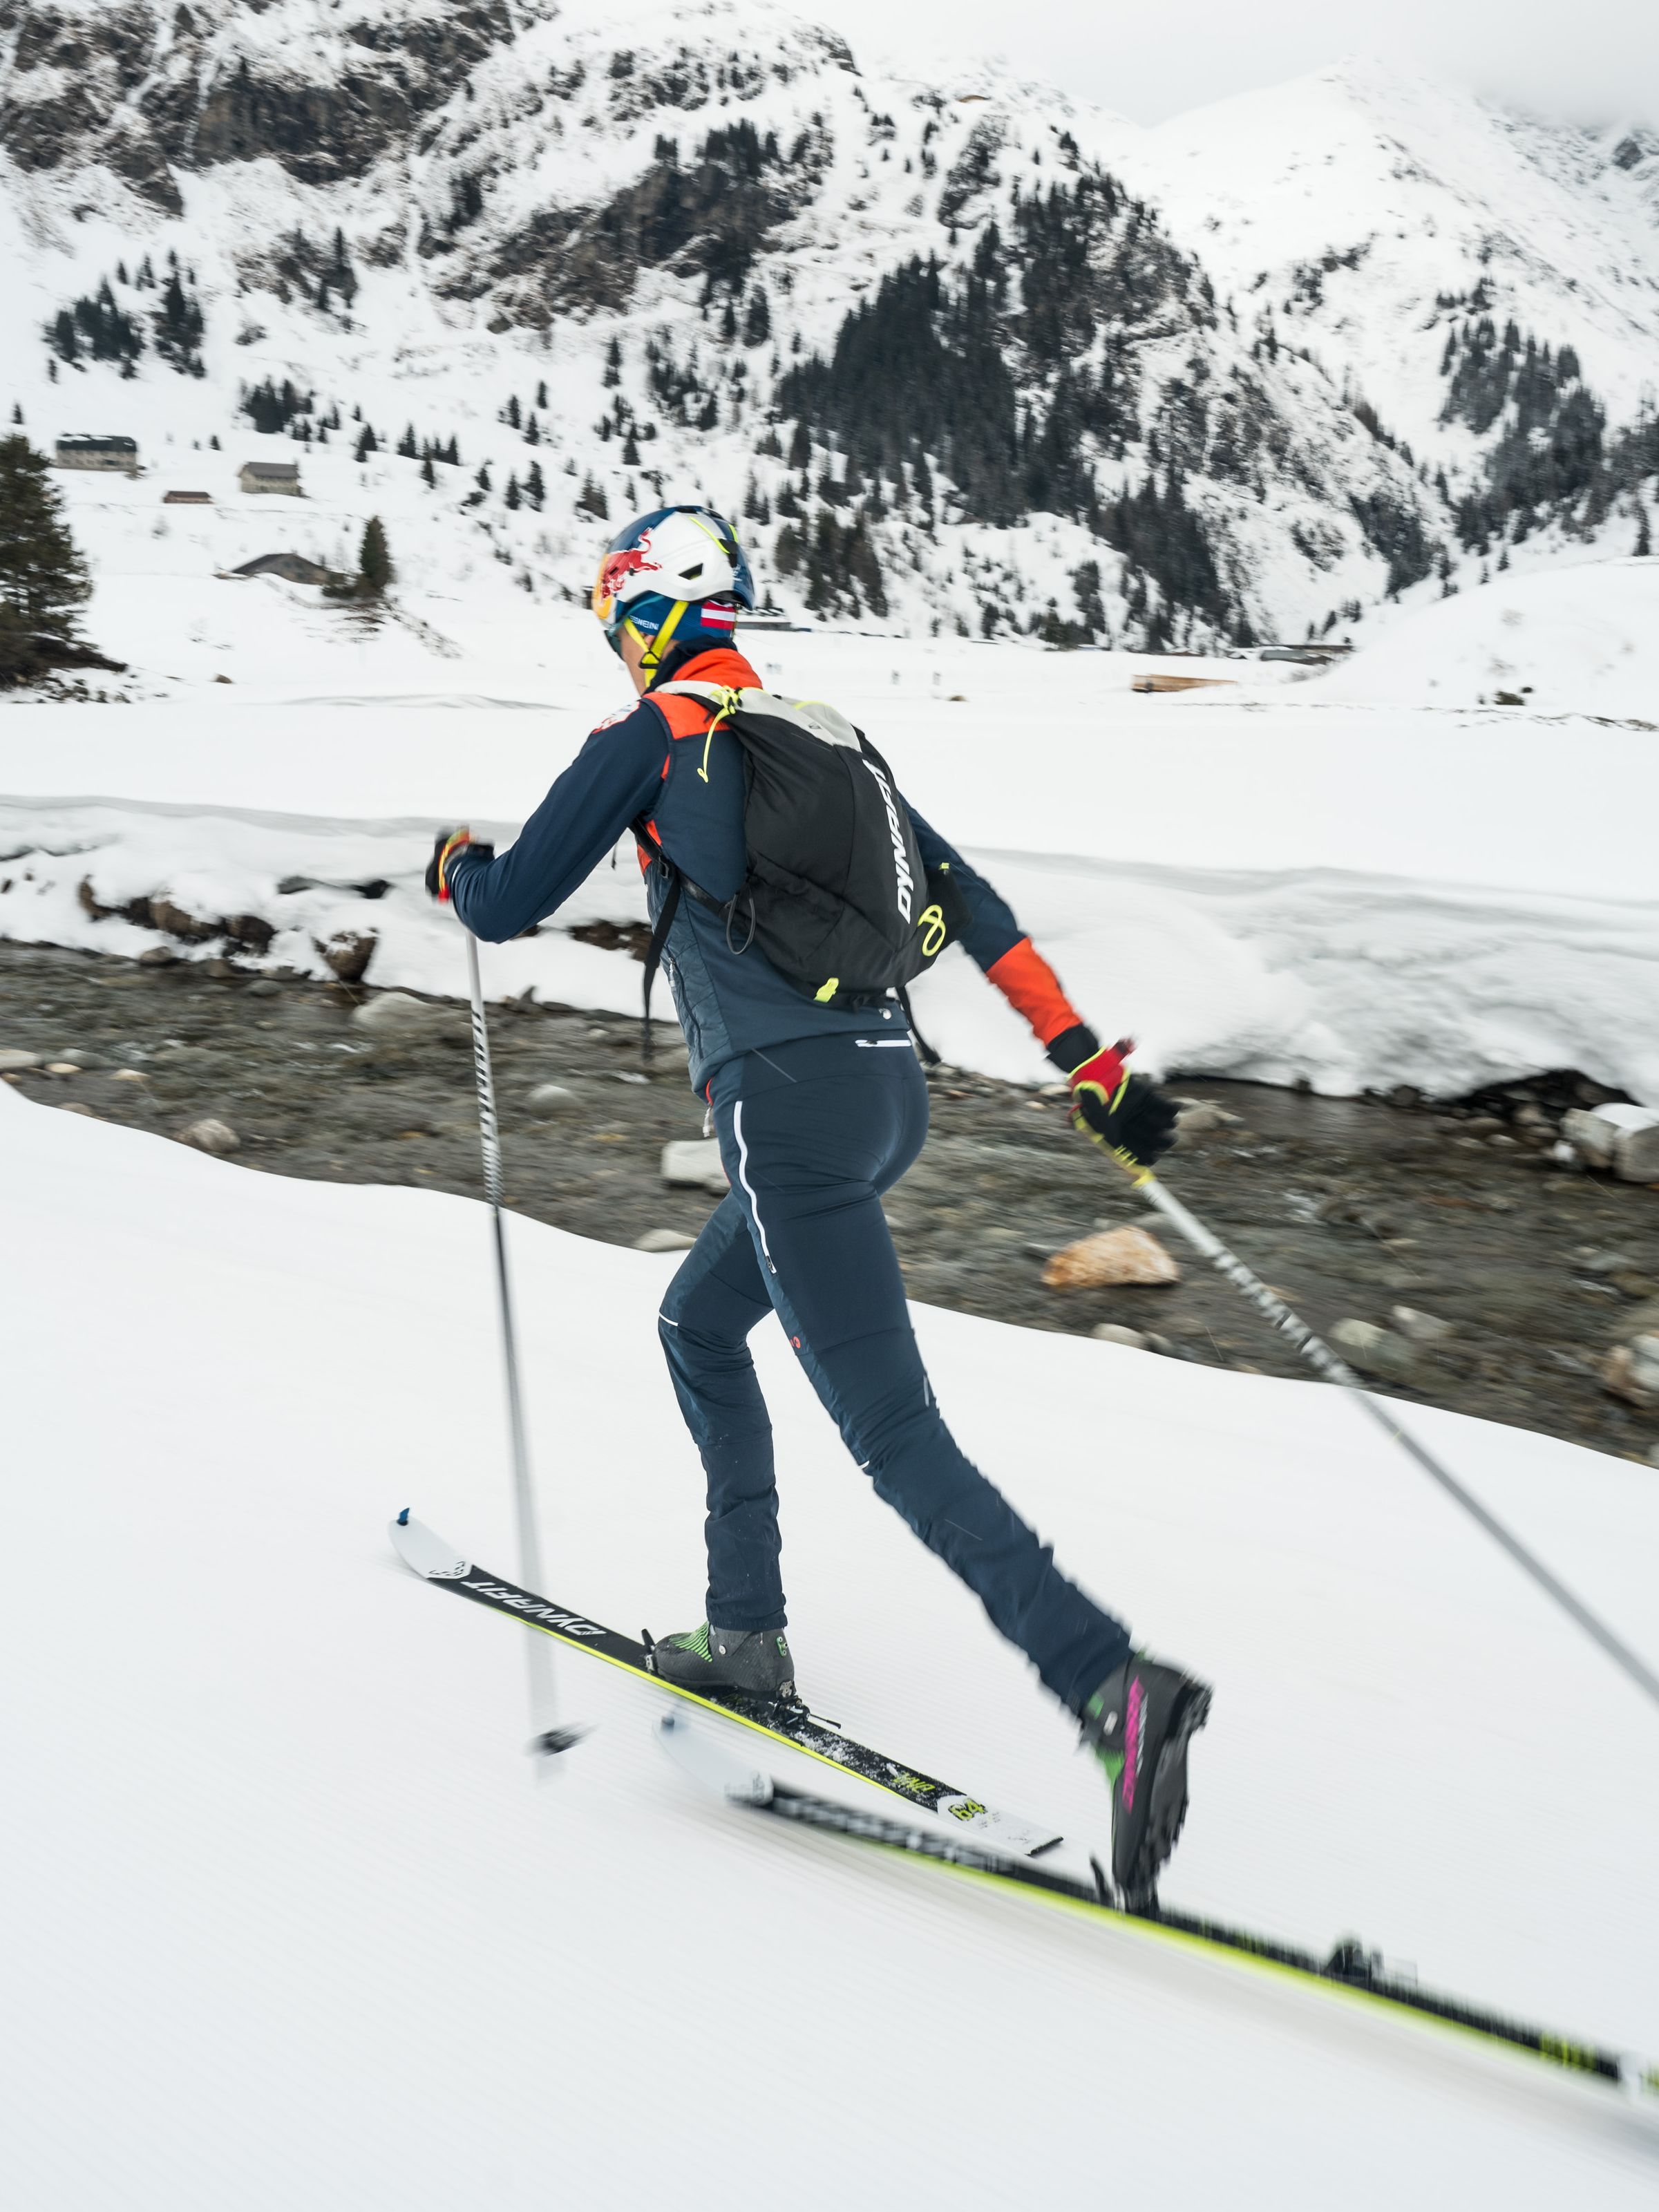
x=546, y=1738
x=1319, y=1356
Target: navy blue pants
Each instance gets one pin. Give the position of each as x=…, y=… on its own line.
x=812, y=1133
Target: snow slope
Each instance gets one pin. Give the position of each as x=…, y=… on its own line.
x=1563, y=640
x=298, y=1928
x=1357, y=203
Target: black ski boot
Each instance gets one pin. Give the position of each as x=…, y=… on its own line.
x=1138, y=1724
x=753, y=1662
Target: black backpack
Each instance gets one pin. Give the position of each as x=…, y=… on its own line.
x=837, y=897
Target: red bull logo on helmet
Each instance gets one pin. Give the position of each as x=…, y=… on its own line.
x=616, y=568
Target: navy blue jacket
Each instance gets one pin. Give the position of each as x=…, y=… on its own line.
x=690, y=790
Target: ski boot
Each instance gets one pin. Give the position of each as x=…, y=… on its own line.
x=1138, y=1724
x=752, y=1662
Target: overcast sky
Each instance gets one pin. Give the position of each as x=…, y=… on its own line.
x=1590, y=59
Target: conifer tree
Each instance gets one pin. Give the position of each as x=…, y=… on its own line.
x=534, y=490
x=341, y=274
x=44, y=582
x=374, y=570
x=178, y=325
x=428, y=474
x=367, y=444
x=513, y=496
x=541, y=397
x=406, y=446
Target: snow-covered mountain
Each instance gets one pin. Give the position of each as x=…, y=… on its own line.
x=969, y=357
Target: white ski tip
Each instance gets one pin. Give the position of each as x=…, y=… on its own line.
x=1003, y=1832
x=711, y=1764
x=418, y=1547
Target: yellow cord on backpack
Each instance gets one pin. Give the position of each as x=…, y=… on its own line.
x=730, y=701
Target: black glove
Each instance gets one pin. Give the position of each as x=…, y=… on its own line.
x=1127, y=1113
x=448, y=843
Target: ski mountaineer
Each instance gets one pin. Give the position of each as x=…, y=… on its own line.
x=820, y=1105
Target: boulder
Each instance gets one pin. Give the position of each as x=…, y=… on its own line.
x=663, y=1240
x=157, y=956
x=1110, y=1256
x=1638, y=1157
x=14, y=1058
x=1621, y=1138
x=348, y=953
x=395, y=1013
x=1631, y=1371
x=211, y=1136
x=250, y=931
x=1113, y=1331
x=1422, y=1328
x=1375, y=1351
x=1196, y=1117
x=552, y=1098
x=694, y=1163
x=177, y=921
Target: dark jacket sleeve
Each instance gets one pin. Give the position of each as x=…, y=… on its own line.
x=992, y=930
x=612, y=779
x=995, y=940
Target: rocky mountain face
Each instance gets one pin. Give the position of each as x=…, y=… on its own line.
x=992, y=361
x=151, y=90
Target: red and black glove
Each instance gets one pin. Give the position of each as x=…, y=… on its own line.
x=449, y=843
x=1127, y=1113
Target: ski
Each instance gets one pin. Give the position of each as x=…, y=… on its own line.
x=792, y=1723
x=1350, y=1971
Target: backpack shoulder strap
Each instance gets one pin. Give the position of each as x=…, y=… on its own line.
x=654, y=952
x=684, y=708
x=813, y=718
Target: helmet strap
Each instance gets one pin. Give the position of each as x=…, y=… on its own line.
x=653, y=649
